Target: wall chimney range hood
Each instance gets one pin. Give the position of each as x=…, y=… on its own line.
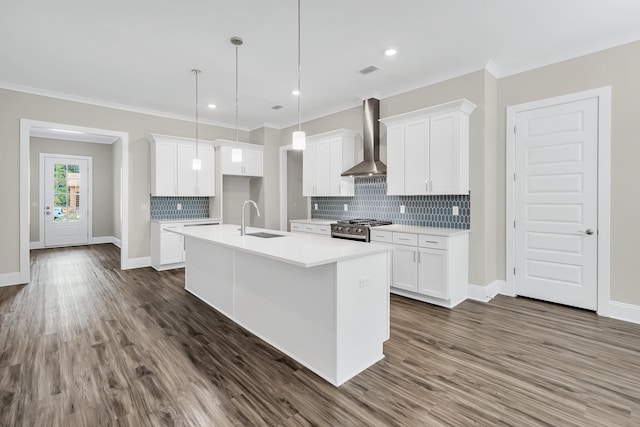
x=371, y=165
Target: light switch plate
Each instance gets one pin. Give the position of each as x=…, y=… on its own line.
x=346, y=207
x=315, y=206
x=455, y=211
x=179, y=206
x=402, y=209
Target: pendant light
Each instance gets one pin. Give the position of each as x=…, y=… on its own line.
x=197, y=163
x=299, y=138
x=236, y=153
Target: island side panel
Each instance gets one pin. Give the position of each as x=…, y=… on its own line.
x=209, y=274
x=290, y=307
x=362, y=313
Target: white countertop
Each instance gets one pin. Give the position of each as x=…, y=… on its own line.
x=301, y=249
x=314, y=221
x=187, y=221
x=433, y=231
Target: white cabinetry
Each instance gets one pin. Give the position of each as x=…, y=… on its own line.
x=172, y=173
x=304, y=227
x=251, y=164
x=167, y=248
x=428, y=150
x=428, y=268
x=324, y=159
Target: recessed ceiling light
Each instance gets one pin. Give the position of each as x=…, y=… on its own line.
x=295, y=92
x=390, y=52
x=212, y=106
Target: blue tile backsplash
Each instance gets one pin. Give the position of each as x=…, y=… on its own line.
x=371, y=201
x=192, y=207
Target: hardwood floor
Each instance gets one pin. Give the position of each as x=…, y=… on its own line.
x=87, y=344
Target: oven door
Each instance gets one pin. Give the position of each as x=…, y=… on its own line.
x=337, y=231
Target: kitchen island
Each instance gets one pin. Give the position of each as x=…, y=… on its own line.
x=324, y=302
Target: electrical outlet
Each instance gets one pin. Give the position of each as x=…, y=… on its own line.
x=179, y=206
x=455, y=211
x=346, y=207
x=364, y=282
x=402, y=209
x=315, y=206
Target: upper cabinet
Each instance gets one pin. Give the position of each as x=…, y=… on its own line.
x=251, y=163
x=172, y=173
x=324, y=159
x=428, y=150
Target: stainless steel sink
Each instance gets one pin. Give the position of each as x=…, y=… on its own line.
x=264, y=235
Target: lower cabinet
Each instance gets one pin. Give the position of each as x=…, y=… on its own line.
x=428, y=268
x=171, y=248
x=167, y=248
x=405, y=270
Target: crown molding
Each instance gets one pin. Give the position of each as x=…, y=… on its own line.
x=113, y=105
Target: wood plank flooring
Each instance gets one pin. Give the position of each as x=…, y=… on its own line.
x=86, y=344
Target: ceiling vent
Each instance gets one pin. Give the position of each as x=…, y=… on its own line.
x=276, y=107
x=369, y=69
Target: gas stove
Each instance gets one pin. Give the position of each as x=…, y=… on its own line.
x=355, y=229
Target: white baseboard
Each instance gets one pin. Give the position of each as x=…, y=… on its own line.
x=506, y=288
x=484, y=293
x=141, y=262
x=92, y=241
x=624, y=311
x=101, y=240
x=10, y=279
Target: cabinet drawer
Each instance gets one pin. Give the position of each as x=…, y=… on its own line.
x=435, y=242
x=309, y=228
x=382, y=236
x=324, y=229
x=295, y=226
x=405, y=239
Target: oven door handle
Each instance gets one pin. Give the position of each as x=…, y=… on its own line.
x=348, y=236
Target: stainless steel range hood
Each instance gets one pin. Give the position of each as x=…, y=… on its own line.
x=371, y=165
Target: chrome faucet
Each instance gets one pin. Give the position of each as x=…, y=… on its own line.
x=242, y=226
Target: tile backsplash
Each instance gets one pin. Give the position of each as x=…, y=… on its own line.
x=192, y=207
x=371, y=201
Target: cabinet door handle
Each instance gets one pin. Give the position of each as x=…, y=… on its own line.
x=430, y=241
x=419, y=257
x=403, y=238
x=414, y=256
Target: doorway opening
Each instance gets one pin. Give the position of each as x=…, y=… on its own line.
x=29, y=128
x=293, y=205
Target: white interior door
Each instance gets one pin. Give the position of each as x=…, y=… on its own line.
x=556, y=150
x=66, y=210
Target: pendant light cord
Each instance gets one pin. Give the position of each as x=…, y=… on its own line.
x=197, y=73
x=237, y=92
x=299, y=70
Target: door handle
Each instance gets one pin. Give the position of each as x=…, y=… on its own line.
x=588, y=232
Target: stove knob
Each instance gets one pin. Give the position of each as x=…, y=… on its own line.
x=347, y=230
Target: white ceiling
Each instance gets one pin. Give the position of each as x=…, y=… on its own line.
x=137, y=54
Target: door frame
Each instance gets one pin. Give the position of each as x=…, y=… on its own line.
x=41, y=201
x=603, y=95
x=26, y=125
x=283, y=187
